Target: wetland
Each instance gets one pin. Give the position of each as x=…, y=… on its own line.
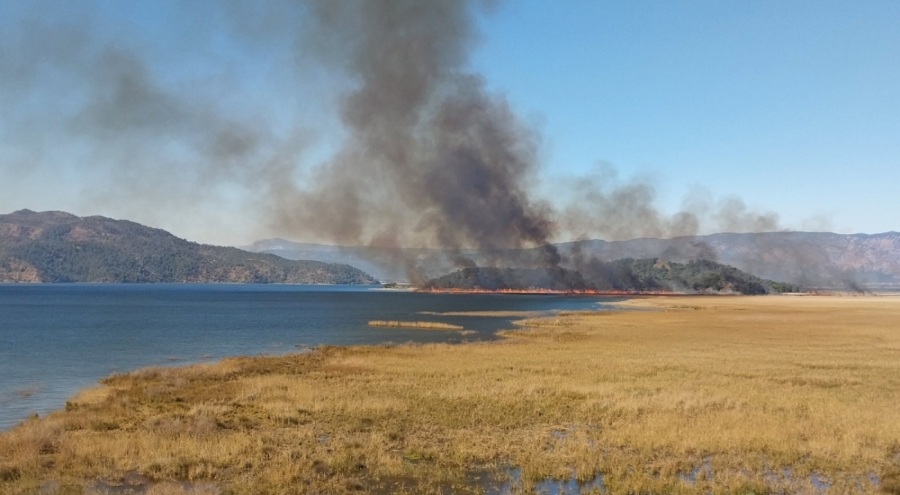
x=772, y=394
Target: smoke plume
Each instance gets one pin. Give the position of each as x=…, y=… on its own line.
x=426, y=156
x=431, y=158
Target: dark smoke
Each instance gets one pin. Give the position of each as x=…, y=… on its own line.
x=432, y=159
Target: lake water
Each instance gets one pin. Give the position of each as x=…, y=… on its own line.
x=57, y=339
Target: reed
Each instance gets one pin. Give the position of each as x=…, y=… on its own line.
x=424, y=325
x=699, y=395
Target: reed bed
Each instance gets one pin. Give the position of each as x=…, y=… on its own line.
x=700, y=395
x=489, y=314
x=423, y=325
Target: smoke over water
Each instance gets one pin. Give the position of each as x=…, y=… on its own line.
x=427, y=157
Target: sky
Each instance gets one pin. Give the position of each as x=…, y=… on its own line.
x=192, y=116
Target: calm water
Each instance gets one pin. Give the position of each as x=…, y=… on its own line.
x=56, y=339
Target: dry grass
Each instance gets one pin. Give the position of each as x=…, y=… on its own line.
x=422, y=325
x=707, y=395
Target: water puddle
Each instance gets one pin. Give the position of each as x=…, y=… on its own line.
x=507, y=481
x=134, y=483
x=703, y=471
x=784, y=480
x=570, y=486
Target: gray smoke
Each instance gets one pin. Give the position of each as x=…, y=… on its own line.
x=606, y=207
x=90, y=111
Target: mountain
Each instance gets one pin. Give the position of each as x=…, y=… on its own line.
x=811, y=259
x=60, y=247
x=382, y=263
x=369, y=260
x=624, y=275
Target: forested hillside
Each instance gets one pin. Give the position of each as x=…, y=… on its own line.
x=625, y=275
x=811, y=259
x=60, y=247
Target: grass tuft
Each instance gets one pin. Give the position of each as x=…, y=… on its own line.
x=424, y=325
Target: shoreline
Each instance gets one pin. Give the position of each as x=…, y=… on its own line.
x=176, y=332
x=501, y=406
x=565, y=292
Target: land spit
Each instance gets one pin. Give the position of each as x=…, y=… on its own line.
x=771, y=394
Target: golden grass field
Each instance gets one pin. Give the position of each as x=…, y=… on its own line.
x=772, y=394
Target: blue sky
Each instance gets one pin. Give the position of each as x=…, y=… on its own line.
x=792, y=106
x=789, y=107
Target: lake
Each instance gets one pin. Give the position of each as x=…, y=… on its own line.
x=57, y=339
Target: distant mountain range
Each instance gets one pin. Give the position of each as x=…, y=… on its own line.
x=809, y=259
x=59, y=247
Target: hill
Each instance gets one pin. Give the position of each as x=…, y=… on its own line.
x=625, y=275
x=379, y=263
x=60, y=247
